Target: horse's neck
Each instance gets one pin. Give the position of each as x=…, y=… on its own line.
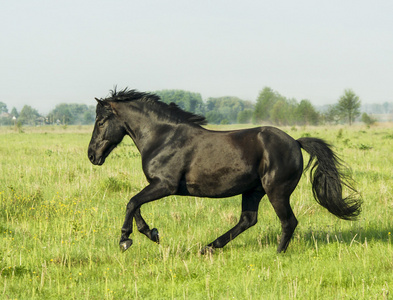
x=146, y=131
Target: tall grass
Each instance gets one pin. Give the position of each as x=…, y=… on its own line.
x=60, y=220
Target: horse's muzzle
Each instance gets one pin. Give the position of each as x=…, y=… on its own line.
x=94, y=159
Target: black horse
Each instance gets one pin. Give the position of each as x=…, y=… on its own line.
x=180, y=157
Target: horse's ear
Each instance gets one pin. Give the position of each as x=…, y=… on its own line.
x=104, y=104
x=99, y=101
x=108, y=106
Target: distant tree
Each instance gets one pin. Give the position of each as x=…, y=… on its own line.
x=332, y=115
x=283, y=112
x=188, y=101
x=214, y=117
x=290, y=117
x=245, y=116
x=5, y=119
x=78, y=113
x=28, y=115
x=277, y=113
x=266, y=100
x=228, y=107
x=61, y=112
x=3, y=108
x=14, y=112
x=306, y=113
x=275, y=108
x=349, y=106
x=366, y=119
x=89, y=116
x=71, y=113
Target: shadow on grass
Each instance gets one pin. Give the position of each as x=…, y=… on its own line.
x=307, y=238
x=327, y=235
x=349, y=236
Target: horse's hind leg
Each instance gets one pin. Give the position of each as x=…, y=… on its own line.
x=280, y=203
x=248, y=218
x=144, y=228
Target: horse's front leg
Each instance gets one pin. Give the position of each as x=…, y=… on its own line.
x=142, y=226
x=150, y=193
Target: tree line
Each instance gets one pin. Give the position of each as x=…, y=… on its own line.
x=270, y=108
x=62, y=114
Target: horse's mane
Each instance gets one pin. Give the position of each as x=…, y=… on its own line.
x=171, y=112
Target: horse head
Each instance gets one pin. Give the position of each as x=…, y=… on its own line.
x=107, y=134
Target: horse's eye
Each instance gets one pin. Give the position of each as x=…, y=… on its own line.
x=100, y=124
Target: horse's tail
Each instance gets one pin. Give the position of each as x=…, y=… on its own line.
x=328, y=180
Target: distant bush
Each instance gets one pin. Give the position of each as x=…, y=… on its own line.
x=366, y=119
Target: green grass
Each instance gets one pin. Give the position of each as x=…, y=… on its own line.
x=60, y=220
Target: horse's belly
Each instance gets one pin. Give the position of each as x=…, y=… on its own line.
x=223, y=166
x=224, y=182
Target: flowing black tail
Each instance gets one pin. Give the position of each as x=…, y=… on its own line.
x=328, y=180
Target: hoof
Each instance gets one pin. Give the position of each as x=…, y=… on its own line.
x=207, y=250
x=155, y=237
x=124, y=245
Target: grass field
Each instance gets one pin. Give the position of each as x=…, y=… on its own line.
x=60, y=220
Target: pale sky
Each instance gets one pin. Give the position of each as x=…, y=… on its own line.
x=72, y=51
